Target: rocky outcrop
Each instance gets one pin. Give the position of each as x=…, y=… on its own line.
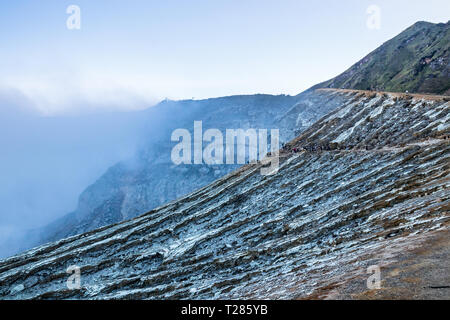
x=370, y=175
x=151, y=179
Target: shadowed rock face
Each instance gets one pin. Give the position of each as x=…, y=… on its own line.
x=320, y=219
x=149, y=180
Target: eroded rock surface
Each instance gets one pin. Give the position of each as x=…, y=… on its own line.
x=150, y=179
x=370, y=175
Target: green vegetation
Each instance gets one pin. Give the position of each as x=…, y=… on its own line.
x=417, y=60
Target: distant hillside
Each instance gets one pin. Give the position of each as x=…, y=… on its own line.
x=150, y=179
x=416, y=60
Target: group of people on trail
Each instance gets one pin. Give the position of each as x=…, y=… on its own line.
x=314, y=147
x=292, y=150
x=310, y=148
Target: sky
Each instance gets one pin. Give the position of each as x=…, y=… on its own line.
x=128, y=55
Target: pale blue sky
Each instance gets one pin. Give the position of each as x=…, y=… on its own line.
x=130, y=54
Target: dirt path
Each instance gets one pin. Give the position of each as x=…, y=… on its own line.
x=422, y=272
x=401, y=95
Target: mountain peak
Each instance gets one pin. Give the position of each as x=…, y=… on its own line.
x=416, y=60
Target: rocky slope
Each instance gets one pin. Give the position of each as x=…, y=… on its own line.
x=416, y=60
x=371, y=175
x=151, y=179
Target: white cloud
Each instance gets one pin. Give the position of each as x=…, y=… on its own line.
x=52, y=95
